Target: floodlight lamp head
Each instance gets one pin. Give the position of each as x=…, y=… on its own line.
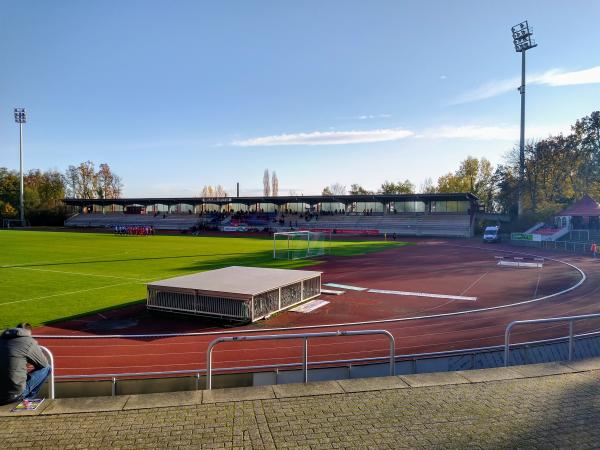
x=20, y=115
x=522, y=37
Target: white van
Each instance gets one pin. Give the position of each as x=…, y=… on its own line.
x=491, y=234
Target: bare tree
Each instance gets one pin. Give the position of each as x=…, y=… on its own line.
x=274, y=184
x=427, y=186
x=72, y=181
x=109, y=183
x=213, y=191
x=219, y=191
x=337, y=189
x=266, y=184
x=88, y=179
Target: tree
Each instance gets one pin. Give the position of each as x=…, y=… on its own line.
x=334, y=189
x=109, y=184
x=356, y=189
x=213, y=191
x=88, y=180
x=389, y=187
x=274, y=185
x=266, y=185
x=427, y=186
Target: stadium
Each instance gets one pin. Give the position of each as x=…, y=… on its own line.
x=299, y=225
x=144, y=313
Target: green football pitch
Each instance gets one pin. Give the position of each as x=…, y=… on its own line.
x=49, y=276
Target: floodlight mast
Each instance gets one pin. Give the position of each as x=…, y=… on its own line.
x=21, y=118
x=522, y=38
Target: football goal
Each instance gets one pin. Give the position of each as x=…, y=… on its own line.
x=300, y=244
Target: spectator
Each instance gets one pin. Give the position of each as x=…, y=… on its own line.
x=23, y=366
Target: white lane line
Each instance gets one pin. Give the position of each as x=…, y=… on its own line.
x=310, y=306
x=528, y=265
x=345, y=286
x=423, y=294
x=77, y=273
x=67, y=293
x=331, y=292
x=473, y=283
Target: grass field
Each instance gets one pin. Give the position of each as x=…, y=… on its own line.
x=49, y=276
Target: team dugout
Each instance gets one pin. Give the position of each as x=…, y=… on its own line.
x=377, y=204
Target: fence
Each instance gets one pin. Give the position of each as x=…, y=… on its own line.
x=570, y=319
x=305, y=337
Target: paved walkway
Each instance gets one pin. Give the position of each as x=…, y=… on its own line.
x=541, y=406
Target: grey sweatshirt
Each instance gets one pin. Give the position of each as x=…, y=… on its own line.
x=17, y=348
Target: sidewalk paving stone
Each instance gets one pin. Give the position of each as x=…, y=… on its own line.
x=584, y=364
x=433, y=379
x=238, y=394
x=372, y=384
x=541, y=370
x=308, y=389
x=87, y=404
x=495, y=374
x=163, y=399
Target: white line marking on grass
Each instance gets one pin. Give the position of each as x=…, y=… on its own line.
x=423, y=294
x=78, y=273
x=473, y=283
x=68, y=293
x=345, y=286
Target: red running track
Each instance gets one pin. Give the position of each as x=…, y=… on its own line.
x=419, y=324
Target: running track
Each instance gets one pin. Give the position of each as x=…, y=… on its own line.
x=419, y=324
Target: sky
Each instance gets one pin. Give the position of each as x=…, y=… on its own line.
x=181, y=94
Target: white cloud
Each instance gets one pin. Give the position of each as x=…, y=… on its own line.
x=553, y=77
x=327, y=138
x=492, y=132
x=443, y=77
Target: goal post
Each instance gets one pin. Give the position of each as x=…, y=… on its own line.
x=300, y=244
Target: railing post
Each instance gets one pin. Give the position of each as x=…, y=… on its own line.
x=48, y=353
x=305, y=360
x=507, y=343
x=392, y=354
x=570, y=340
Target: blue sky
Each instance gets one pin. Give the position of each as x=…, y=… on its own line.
x=175, y=95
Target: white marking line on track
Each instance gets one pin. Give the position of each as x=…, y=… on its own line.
x=473, y=283
x=78, y=273
x=423, y=294
x=310, y=306
x=67, y=293
x=528, y=265
x=345, y=286
x=331, y=292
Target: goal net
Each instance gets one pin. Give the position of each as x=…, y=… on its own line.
x=300, y=244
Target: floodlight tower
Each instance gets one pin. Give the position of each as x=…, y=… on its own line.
x=522, y=38
x=21, y=118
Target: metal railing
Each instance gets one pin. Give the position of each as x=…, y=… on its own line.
x=304, y=336
x=569, y=319
x=51, y=378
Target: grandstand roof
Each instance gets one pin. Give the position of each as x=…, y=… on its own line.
x=587, y=207
x=280, y=200
x=236, y=281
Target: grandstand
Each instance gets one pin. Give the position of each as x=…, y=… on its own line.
x=404, y=214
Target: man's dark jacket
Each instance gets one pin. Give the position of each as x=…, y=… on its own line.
x=17, y=348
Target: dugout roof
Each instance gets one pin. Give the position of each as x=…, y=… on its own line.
x=235, y=282
x=586, y=207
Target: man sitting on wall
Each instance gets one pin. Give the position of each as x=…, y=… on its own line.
x=23, y=366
